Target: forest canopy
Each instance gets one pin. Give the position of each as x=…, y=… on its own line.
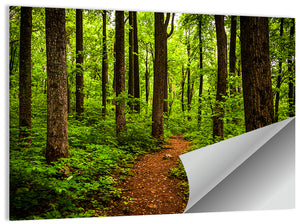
x=90, y=90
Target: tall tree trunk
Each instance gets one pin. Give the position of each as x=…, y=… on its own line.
x=222, y=78
x=136, y=64
x=257, y=84
x=278, y=82
x=104, y=65
x=57, y=108
x=201, y=67
x=120, y=72
x=291, y=93
x=25, y=75
x=166, y=95
x=232, y=55
x=188, y=71
x=147, y=77
x=79, y=63
x=182, y=88
x=114, y=78
x=159, y=72
x=131, y=61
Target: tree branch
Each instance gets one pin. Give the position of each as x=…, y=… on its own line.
x=13, y=41
x=166, y=23
x=172, y=26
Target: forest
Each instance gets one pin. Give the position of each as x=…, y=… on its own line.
x=92, y=91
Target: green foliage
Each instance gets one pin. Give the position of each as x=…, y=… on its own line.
x=70, y=187
x=137, y=138
x=178, y=172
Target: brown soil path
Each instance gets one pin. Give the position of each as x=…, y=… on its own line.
x=150, y=190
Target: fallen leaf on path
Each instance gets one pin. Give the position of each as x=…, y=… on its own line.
x=152, y=206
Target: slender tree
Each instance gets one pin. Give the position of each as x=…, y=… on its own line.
x=79, y=63
x=57, y=108
x=190, y=84
x=104, y=65
x=136, y=63
x=166, y=23
x=201, y=67
x=257, y=85
x=222, y=77
x=120, y=71
x=147, y=76
x=131, y=61
x=159, y=73
x=232, y=55
x=182, y=87
x=25, y=75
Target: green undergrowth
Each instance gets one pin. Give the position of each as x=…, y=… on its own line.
x=80, y=185
x=179, y=172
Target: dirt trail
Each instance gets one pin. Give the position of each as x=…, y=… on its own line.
x=150, y=190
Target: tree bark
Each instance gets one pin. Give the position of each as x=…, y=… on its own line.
x=232, y=56
x=147, y=77
x=136, y=64
x=57, y=108
x=222, y=78
x=166, y=95
x=120, y=72
x=188, y=71
x=201, y=67
x=159, y=73
x=131, y=62
x=256, y=72
x=25, y=75
x=104, y=65
x=114, y=78
x=79, y=63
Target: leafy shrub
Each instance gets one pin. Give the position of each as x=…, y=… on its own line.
x=85, y=180
x=137, y=138
x=178, y=172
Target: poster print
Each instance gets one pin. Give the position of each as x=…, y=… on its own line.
x=103, y=102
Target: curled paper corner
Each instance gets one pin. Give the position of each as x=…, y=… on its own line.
x=252, y=171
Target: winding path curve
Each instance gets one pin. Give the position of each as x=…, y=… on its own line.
x=149, y=190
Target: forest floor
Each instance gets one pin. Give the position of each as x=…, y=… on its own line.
x=150, y=189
